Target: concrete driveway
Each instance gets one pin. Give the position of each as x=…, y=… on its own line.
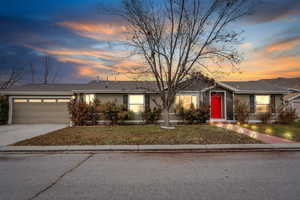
x=10, y=134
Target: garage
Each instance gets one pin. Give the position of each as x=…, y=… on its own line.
x=40, y=110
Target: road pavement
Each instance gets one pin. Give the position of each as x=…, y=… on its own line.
x=184, y=176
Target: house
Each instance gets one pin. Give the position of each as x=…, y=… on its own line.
x=293, y=99
x=38, y=103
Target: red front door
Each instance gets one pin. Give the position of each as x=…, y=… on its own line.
x=216, y=106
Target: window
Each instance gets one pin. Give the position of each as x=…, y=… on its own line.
x=49, y=100
x=63, y=100
x=136, y=103
x=186, y=101
x=20, y=100
x=35, y=100
x=262, y=103
x=89, y=98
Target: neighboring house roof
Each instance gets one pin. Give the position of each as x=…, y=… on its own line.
x=254, y=87
x=293, y=89
x=292, y=96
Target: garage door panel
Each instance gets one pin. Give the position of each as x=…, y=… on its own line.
x=40, y=113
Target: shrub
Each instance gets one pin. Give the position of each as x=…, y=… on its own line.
x=115, y=113
x=265, y=117
x=286, y=114
x=3, y=110
x=241, y=111
x=125, y=115
x=194, y=115
x=79, y=112
x=92, y=114
x=151, y=115
x=110, y=111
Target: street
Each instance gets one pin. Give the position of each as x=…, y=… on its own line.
x=185, y=176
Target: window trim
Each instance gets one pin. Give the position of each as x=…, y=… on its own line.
x=255, y=104
x=143, y=104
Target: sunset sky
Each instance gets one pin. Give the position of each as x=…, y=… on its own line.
x=83, y=43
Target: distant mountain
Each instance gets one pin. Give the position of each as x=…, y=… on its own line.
x=283, y=82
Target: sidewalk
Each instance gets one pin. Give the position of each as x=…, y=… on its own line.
x=153, y=148
x=268, y=139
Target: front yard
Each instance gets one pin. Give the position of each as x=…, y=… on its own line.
x=290, y=132
x=138, y=134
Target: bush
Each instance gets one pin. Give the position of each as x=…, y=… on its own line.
x=265, y=117
x=92, y=114
x=79, y=112
x=125, y=115
x=151, y=116
x=194, y=115
x=241, y=111
x=110, y=111
x=89, y=114
x=286, y=114
x=3, y=110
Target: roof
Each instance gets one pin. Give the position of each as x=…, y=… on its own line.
x=254, y=87
x=136, y=87
x=68, y=89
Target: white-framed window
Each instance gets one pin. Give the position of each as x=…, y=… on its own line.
x=89, y=98
x=262, y=103
x=20, y=100
x=63, y=100
x=186, y=101
x=35, y=100
x=136, y=103
x=49, y=100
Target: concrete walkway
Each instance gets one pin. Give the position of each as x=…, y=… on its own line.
x=10, y=134
x=268, y=139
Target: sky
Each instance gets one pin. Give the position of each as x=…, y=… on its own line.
x=83, y=43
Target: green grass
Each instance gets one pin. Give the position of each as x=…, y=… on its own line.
x=287, y=131
x=138, y=134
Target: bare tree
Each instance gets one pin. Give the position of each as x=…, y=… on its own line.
x=32, y=73
x=50, y=72
x=13, y=77
x=180, y=37
x=46, y=70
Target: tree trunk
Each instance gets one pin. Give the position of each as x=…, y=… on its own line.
x=166, y=117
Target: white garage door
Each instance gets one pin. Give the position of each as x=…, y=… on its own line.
x=40, y=110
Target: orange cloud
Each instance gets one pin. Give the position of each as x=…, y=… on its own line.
x=97, y=31
x=283, y=45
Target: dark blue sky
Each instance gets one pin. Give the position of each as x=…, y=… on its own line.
x=82, y=43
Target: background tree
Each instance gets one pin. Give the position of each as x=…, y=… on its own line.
x=180, y=37
x=14, y=75
x=47, y=75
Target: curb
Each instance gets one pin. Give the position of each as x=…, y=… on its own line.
x=153, y=148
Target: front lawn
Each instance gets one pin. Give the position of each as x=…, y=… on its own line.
x=290, y=132
x=138, y=134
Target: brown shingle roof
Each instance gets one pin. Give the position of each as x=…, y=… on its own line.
x=254, y=86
